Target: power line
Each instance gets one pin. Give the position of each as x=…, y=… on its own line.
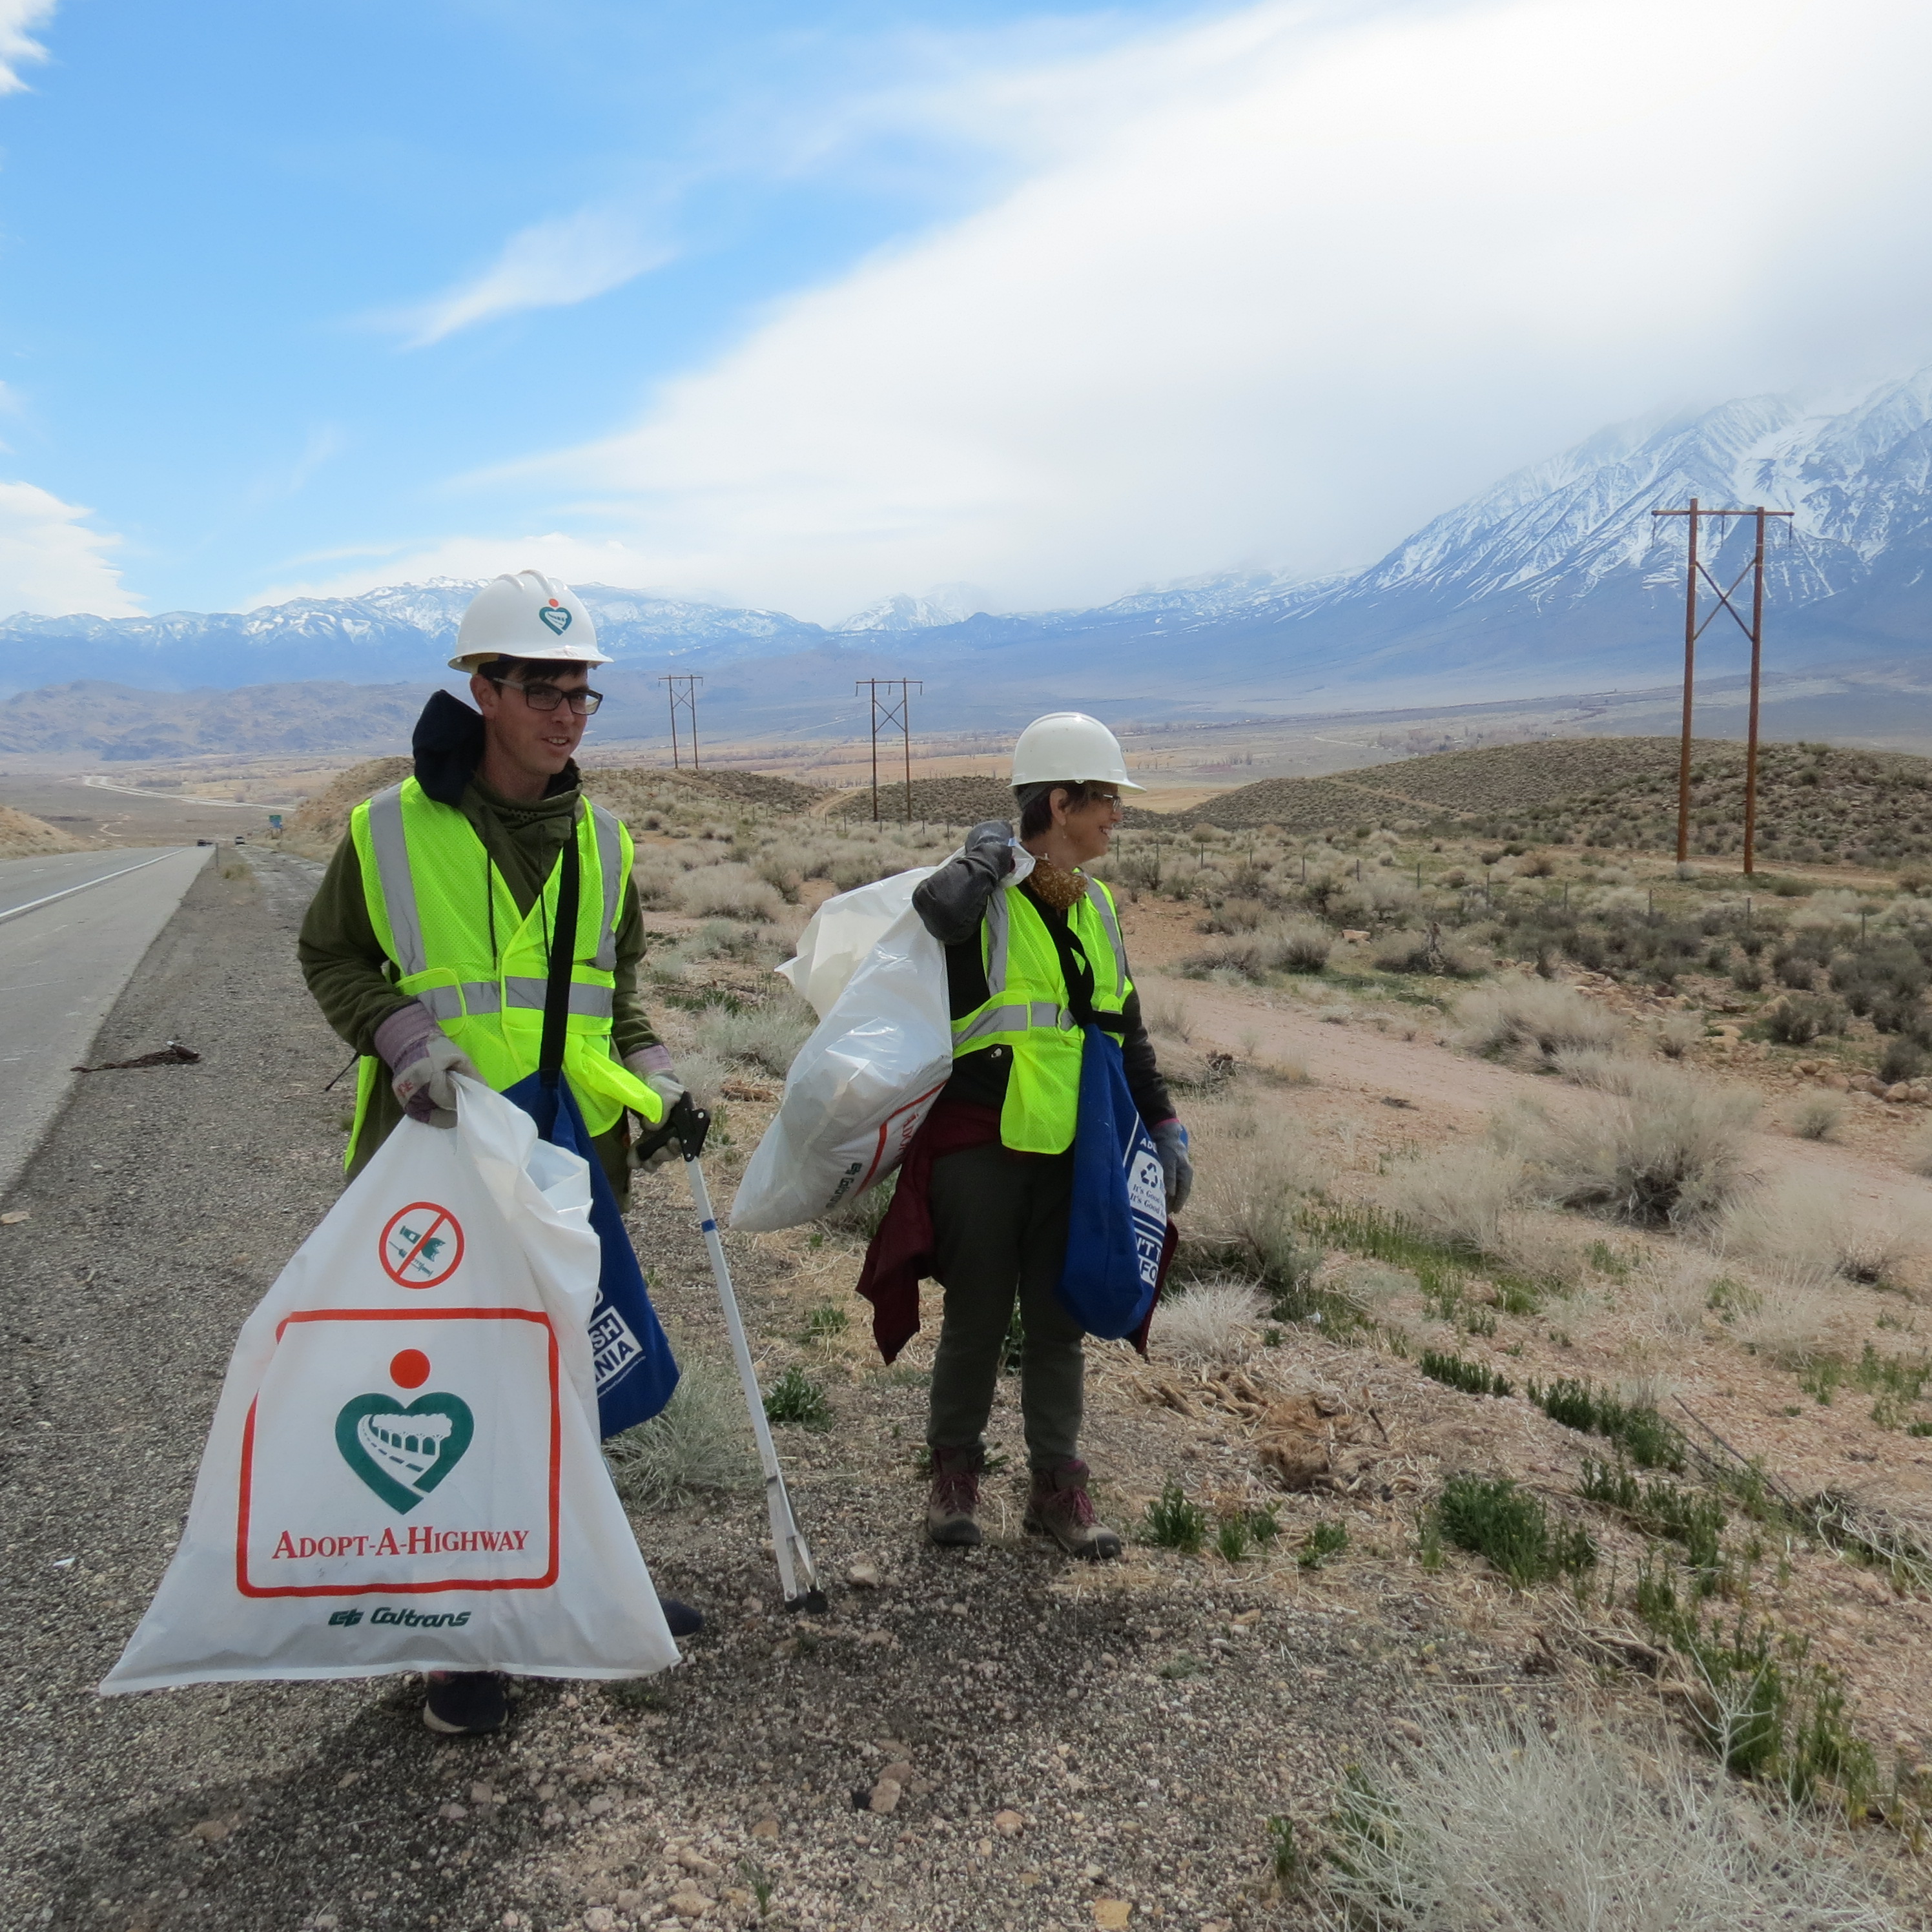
x=1693, y=631
x=685, y=699
x=888, y=711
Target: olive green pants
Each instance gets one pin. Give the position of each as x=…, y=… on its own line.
x=999, y=1224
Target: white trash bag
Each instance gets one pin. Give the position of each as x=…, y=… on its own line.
x=863, y=1083
x=403, y=1471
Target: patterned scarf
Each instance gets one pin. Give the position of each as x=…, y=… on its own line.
x=1059, y=887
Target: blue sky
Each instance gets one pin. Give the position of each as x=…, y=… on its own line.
x=315, y=296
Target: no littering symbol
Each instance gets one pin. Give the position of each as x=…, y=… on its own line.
x=421, y=1246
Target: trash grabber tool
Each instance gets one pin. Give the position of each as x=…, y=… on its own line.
x=688, y=1125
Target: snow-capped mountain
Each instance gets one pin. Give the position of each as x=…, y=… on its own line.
x=946, y=604
x=406, y=632
x=1555, y=578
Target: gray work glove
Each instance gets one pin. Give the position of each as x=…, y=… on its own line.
x=952, y=902
x=652, y=1065
x=421, y=1058
x=1170, y=1142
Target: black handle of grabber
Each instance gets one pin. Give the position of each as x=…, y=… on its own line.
x=684, y=1124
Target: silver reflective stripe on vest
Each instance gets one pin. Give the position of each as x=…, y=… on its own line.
x=1096, y=897
x=392, y=871
x=1018, y=1018
x=454, y=1003
x=610, y=862
x=528, y=993
x=997, y=929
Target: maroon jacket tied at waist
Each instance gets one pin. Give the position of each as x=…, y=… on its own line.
x=901, y=1255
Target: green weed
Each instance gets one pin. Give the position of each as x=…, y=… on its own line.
x=1649, y=1441
x=1173, y=1522
x=1661, y=1508
x=1510, y=1528
x=1230, y=1539
x=796, y=1398
x=823, y=1323
x=1291, y=1866
x=1324, y=1540
x=1471, y=1377
x=1767, y=1711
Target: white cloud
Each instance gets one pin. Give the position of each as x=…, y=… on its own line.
x=1279, y=286
x=552, y=265
x=51, y=563
x=18, y=49
x=575, y=559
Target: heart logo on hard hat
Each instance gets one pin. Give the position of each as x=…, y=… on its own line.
x=556, y=617
x=402, y=1453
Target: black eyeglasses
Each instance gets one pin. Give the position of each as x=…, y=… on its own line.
x=547, y=696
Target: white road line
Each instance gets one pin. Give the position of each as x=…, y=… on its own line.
x=14, y=912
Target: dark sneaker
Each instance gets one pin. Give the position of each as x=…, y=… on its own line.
x=680, y=1618
x=465, y=1703
x=1061, y=1508
x=954, y=1496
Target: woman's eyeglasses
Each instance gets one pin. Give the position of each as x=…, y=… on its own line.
x=547, y=696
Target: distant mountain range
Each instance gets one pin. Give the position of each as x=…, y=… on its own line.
x=1556, y=578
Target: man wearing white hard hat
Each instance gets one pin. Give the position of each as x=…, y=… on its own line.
x=984, y=1201
x=428, y=944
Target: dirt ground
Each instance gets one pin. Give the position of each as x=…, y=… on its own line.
x=1080, y=1746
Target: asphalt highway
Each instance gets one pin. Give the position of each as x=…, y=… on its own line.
x=73, y=927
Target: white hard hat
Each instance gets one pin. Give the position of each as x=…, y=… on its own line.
x=526, y=615
x=1067, y=747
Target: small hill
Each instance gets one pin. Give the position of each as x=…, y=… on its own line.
x=22, y=836
x=643, y=797
x=954, y=801
x=1817, y=804
x=118, y=722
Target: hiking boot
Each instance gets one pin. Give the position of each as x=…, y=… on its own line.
x=954, y=1496
x=1061, y=1508
x=680, y=1619
x=465, y=1703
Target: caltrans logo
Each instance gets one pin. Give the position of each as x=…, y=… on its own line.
x=555, y=617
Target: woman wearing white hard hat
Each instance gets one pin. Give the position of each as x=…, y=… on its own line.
x=984, y=1199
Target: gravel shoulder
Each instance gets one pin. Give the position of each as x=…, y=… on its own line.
x=1073, y=1736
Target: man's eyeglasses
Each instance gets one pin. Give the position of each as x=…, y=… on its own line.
x=547, y=696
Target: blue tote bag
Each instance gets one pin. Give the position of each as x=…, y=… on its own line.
x=1117, y=1233
x=636, y=1371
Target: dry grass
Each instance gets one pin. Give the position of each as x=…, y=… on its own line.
x=728, y=891
x=1167, y=1014
x=1210, y=1324
x=699, y=1441
x=1917, y=1153
x=1538, y=1013
x=769, y=1036
x=1791, y=1314
x=1811, y=1226
x=1667, y=1150
x=1493, y=1827
x=1457, y=1193
x=1248, y=1188
x=1818, y=1117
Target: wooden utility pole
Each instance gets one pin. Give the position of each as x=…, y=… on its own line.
x=1693, y=631
x=888, y=710
x=683, y=689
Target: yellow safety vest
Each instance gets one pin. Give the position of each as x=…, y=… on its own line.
x=449, y=924
x=1026, y=1009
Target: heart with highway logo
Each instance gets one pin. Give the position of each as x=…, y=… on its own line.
x=402, y=1450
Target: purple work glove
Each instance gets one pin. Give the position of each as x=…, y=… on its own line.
x=421, y=1057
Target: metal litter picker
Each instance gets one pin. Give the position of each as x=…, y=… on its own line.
x=687, y=1126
